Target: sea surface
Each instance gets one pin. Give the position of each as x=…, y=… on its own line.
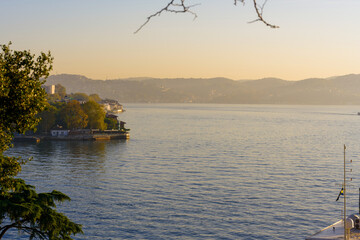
x=203, y=171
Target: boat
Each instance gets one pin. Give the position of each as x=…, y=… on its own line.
x=347, y=228
x=336, y=230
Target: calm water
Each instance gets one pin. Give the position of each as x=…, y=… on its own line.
x=205, y=172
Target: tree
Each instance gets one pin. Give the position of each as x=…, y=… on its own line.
x=21, y=99
x=48, y=118
x=95, y=97
x=96, y=115
x=111, y=123
x=61, y=90
x=181, y=6
x=21, y=95
x=79, y=96
x=74, y=116
x=53, y=97
x=59, y=110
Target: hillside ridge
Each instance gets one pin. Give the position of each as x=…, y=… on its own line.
x=333, y=90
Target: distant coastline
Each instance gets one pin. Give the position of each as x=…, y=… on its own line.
x=339, y=90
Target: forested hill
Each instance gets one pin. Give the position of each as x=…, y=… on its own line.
x=334, y=90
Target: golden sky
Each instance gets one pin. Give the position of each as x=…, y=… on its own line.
x=95, y=38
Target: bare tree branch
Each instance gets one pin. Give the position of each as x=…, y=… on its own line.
x=259, y=11
x=173, y=7
x=236, y=1
x=179, y=6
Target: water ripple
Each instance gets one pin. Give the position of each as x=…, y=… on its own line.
x=204, y=172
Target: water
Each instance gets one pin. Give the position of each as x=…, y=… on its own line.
x=205, y=172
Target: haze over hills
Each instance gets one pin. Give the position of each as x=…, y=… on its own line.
x=332, y=91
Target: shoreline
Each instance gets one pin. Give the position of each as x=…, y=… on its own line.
x=74, y=137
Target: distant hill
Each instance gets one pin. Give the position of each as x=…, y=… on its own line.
x=334, y=90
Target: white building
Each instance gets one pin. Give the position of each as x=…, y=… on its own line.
x=50, y=89
x=59, y=132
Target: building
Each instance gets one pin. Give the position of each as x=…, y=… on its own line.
x=59, y=132
x=49, y=89
x=112, y=106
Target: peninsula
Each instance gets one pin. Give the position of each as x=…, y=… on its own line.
x=77, y=116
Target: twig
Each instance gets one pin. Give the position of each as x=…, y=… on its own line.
x=172, y=7
x=259, y=11
x=242, y=1
x=181, y=7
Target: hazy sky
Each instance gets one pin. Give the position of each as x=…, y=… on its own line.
x=316, y=38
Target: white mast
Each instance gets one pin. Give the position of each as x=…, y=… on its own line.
x=344, y=192
x=346, y=230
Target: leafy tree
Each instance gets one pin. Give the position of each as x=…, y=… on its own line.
x=111, y=123
x=61, y=90
x=21, y=99
x=58, y=107
x=48, y=118
x=21, y=95
x=96, y=115
x=79, y=96
x=95, y=97
x=74, y=116
x=53, y=97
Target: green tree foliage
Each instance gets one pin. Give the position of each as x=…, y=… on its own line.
x=48, y=119
x=21, y=99
x=59, y=110
x=79, y=96
x=53, y=97
x=61, y=90
x=35, y=214
x=94, y=97
x=21, y=94
x=74, y=116
x=96, y=115
x=111, y=123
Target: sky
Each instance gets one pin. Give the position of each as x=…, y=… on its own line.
x=95, y=38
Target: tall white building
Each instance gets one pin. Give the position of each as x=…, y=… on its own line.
x=50, y=89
